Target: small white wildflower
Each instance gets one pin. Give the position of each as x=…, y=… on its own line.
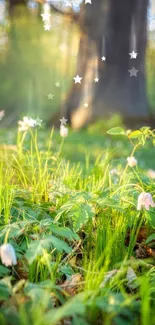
x=26, y=123
x=132, y=161
x=145, y=200
x=2, y=113
x=113, y=172
x=151, y=173
x=63, y=131
x=8, y=255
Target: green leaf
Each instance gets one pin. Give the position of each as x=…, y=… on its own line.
x=4, y=293
x=4, y=270
x=64, y=232
x=5, y=289
x=135, y=134
x=116, y=131
x=153, y=142
x=150, y=238
x=111, y=203
x=37, y=248
x=150, y=216
x=80, y=214
x=70, y=308
x=60, y=245
x=79, y=320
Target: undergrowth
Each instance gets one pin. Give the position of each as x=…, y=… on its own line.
x=85, y=254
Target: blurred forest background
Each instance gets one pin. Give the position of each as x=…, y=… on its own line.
x=35, y=62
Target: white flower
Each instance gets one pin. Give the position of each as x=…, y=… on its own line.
x=27, y=123
x=151, y=173
x=2, y=113
x=145, y=200
x=63, y=131
x=113, y=172
x=132, y=161
x=8, y=255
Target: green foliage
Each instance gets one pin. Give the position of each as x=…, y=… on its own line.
x=66, y=219
x=116, y=131
x=37, y=248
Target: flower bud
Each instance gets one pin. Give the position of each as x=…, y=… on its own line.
x=132, y=161
x=8, y=255
x=63, y=131
x=145, y=200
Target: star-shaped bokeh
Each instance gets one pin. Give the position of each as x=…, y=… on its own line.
x=63, y=121
x=77, y=79
x=50, y=96
x=45, y=16
x=87, y=1
x=133, y=55
x=103, y=58
x=57, y=84
x=133, y=72
x=47, y=26
x=39, y=121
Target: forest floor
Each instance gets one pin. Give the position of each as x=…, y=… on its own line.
x=83, y=238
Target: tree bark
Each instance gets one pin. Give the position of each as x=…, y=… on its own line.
x=116, y=91
x=13, y=3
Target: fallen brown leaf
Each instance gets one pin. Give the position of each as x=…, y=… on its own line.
x=70, y=286
x=144, y=251
x=150, y=251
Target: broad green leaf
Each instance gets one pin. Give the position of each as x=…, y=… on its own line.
x=72, y=307
x=64, y=232
x=111, y=203
x=60, y=245
x=135, y=134
x=150, y=238
x=37, y=294
x=15, y=229
x=4, y=293
x=150, y=216
x=37, y=248
x=79, y=320
x=80, y=214
x=5, y=289
x=4, y=270
x=116, y=131
x=47, y=284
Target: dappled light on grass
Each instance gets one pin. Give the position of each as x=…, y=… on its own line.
x=77, y=237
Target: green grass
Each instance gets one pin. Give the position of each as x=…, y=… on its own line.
x=69, y=218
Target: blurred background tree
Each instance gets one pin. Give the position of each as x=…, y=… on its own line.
x=111, y=30
x=34, y=61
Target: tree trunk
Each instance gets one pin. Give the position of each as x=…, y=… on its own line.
x=13, y=3
x=123, y=25
x=86, y=60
